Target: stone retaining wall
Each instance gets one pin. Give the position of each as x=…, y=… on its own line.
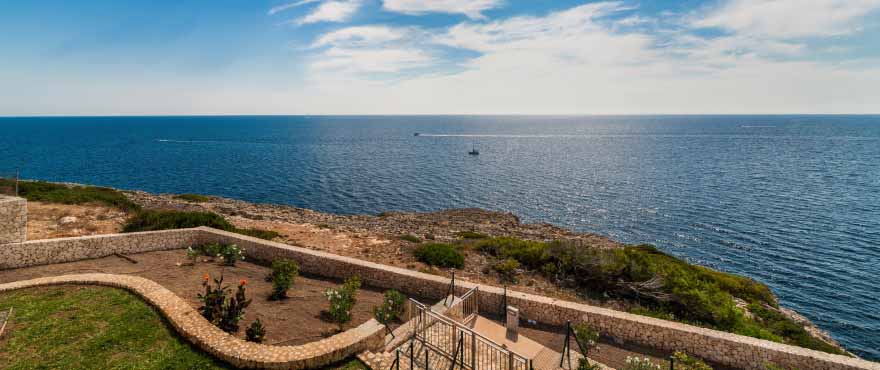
x=723, y=348
x=13, y=219
x=49, y=251
x=369, y=336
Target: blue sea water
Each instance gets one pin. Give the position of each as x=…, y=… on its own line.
x=792, y=201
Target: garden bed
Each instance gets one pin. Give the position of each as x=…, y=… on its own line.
x=299, y=319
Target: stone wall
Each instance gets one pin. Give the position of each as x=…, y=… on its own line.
x=723, y=348
x=13, y=219
x=49, y=251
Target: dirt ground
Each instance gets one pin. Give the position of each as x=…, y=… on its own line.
x=51, y=220
x=297, y=320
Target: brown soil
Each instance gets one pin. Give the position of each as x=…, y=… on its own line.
x=50, y=220
x=297, y=320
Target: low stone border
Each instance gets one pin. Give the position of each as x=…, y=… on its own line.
x=369, y=336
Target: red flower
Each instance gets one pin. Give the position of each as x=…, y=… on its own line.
x=243, y=282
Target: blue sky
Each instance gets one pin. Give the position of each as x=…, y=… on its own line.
x=106, y=57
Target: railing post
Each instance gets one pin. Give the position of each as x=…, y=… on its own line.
x=671, y=362
x=427, y=364
x=473, y=351
x=509, y=360
x=397, y=359
x=412, y=353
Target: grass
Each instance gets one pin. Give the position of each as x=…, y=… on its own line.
x=440, y=254
x=659, y=284
x=151, y=220
x=471, y=235
x=58, y=193
x=194, y=198
x=74, y=327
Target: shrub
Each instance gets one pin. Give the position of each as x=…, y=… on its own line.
x=584, y=364
x=439, y=254
x=231, y=254
x=343, y=299
x=471, y=235
x=151, y=220
x=792, y=332
x=391, y=308
x=685, y=362
x=222, y=311
x=636, y=363
x=529, y=253
x=410, y=238
x=71, y=194
x=194, y=198
x=507, y=269
x=585, y=335
x=255, y=332
x=284, y=271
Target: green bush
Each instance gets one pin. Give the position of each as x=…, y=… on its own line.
x=529, y=253
x=439, y=254
x=471, y=235
x=683, y=361
x=151, y=220
x=637, y=363
x=220, y=309
x=231, y=254
x=586, y=335
x=507, y=269
x=410, y=238
x=284, y=271
x=255, y=332
x=391, y=308
x=75, y=194
x=194, y=198
x=792, y=332
x=343, y=299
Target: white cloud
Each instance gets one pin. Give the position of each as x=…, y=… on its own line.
x=786, y=19
x=361, y=35
x=359, y=61
x=471, y=8
x=283, y=7
x=332, y=11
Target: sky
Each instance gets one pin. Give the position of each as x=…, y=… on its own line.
x=200, y=57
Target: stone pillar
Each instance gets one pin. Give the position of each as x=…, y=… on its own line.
x=13, y=219
x=512, y=323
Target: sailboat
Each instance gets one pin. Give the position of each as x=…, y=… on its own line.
x=474, y=150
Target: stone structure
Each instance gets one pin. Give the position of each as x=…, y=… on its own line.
x=13, y=219
x=192, y=326
x=720, y=347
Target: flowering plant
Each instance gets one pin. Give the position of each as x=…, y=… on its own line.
x=231, y=254
x=636, y=363
x=342, y=300
x=222, y=311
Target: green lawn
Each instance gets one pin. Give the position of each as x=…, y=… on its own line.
x=89, y=327
x=78, y=327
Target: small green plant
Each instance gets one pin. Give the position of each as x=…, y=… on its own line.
x=192, y=254
x=71, y=194
x=255, y=332
x=151, y=220
x=258, y=233
x=391, y=308
x=636, y=363
x=683, y=361
x=343, y=299
x=586, y=335
x=584, y=364
x=439, y=254
x=410, y=238
x=471, y=235
x=222, y=311
x=507, y=269
x=194, y=198
x=284, y=271
x=231, y=254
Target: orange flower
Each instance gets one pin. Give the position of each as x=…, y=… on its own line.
x=206, y=277
x=243, y=282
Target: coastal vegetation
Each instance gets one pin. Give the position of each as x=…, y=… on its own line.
x=440, y=255
x=59, y=328
x=410, y=238
x=151, y=220
x=656, y=284
x=194, y=198
x=471, y=235
x=41, y=191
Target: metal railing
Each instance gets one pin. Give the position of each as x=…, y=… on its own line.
x=467, y=307
x=460, y=345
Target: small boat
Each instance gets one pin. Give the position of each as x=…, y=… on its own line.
x=416, y=134
x=474, y=151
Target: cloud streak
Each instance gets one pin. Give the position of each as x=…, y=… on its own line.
x=471, y=8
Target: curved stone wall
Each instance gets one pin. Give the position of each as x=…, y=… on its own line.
x=369, y=336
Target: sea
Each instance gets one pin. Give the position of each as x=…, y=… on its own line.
x=792, y=201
